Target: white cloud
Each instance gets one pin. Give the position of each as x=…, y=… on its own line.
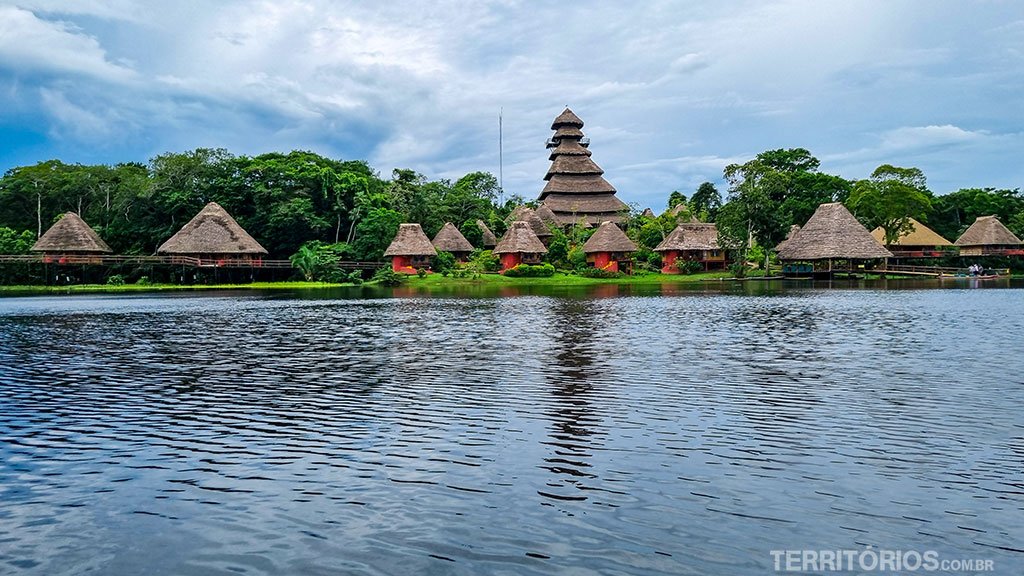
x=916, y=137
x=29, y=44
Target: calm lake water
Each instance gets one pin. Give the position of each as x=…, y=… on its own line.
x=615, y=430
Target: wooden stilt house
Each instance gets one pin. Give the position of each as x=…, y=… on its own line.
x=831, y=241
x=691, y=241
x=988, y=236
x=71, y=241
x=213, y=238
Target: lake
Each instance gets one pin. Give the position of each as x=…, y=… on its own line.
x=609, y=430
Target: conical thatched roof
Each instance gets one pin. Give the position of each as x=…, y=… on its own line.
x=528, y=215
x=832, y=232
x=691, y=236
x=648, y=213
x=567, y=118
x=490, y=240
x=449, y=239
x=71, y=235
x=608, y=238
x=212, y=231
x=545, y=214
x=987, y=231
x=410, y=241
x=519, y=238
x=919, y=235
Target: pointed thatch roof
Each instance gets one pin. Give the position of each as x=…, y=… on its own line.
x=545, y=214
x=71, y=235
x=690, y=236
x=212, y=231
x=648, y=213
x=449, y=239
x=567, y=118
x=575, y=186
x=608, y=238
x=987, y=231
x=832, y=232
x=919, y=235
x=519, y=238
x=410, y=241
x=490, y=240
x=529, y=215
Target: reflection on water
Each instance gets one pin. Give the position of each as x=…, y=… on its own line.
x=615, y=430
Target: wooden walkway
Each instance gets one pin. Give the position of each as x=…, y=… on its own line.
x=186, y=261
x=930, y=271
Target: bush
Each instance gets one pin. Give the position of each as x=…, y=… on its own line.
x=577, y=258
x=444, y=262
x=528, y=271
x=484, y=261
x=115, y=280
x=143, y=281
x=421, y=272
x=355, y=277
x=591, y=272
x=738, y=269
x=687, y=266
x=388, y=277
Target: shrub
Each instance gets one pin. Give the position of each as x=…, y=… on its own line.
x=444, y=262
x=143, y=281
x=687, y=266
x=577, y=258
x=528, y=271
x=355, y=277
x=484, y=261
x=388, y=277
x=421, y=272
x=115, y=280
x=738, y=269
x=591, y=272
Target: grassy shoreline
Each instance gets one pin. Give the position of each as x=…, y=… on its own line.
x=430, y=282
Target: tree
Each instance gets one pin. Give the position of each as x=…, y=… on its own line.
x=890, y=198
x=952, y=213
x=706, y=202
x=752, y=214
x=375, y=232
x=675, y=199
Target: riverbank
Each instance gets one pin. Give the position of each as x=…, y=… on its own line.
x=431, y=281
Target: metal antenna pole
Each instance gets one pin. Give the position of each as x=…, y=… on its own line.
x=501, y=159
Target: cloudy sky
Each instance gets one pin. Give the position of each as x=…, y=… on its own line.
x=670, y=92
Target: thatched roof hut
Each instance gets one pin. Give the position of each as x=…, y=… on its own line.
x=71, y=235
x=690, y=236
x=410, y=241
x=919, y=235
x=575, y=186
x=648, y=213
x=520, y=238
x=608, y=238
x=832, y=233
x=490, y=240
x=546, y=215
x=987, y=231
x=528, y=215
x=213, y=232
x=449, y=239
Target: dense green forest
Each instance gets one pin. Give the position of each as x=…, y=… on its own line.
x=288, y=200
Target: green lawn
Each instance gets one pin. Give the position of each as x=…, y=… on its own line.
x=106, y=288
